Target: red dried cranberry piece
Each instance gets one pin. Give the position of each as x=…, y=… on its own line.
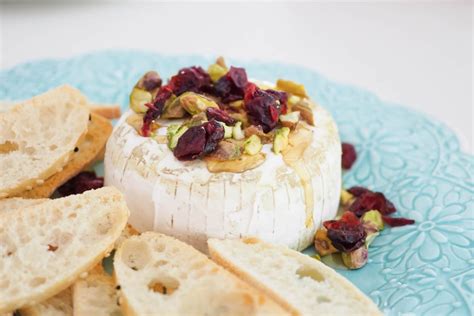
x=86, y=180
x=155, y=108
x=264, y=106
x=372, y=201
x=191, y=144
x=214, y=134
x=219, y=115
x=199, y=140
x=397, y=221
x=357, y=191
x=349, y=155
x=346, y=234
x=231, y=87
x=193, y=79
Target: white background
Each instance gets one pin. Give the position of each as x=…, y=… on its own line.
x=417, y=54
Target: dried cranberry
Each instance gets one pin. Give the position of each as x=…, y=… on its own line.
x=349, y=155
x=347, y=233
x=219, y=115
x=199, y=140
x=397, y=221
x=155, y=108
x=231, y=87
x=357, y=191
x=214, y=134
x=191, y=144
x=264, y=106
x=86, y=180
x=372, y=201
x=282, y=98
x=193, y=79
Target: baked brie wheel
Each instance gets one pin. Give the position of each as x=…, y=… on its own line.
x=281, y=199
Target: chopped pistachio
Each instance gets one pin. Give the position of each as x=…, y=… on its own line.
x=355, y=259
x=281, y=139
x=322, y=243
x=290, y=119
x=316, y=256
x=291, y=87
x=237, y=104
x=216, y=71
x=304, y=107
x=196, y=120
x=195, y=103
x=237, y=132
x=138, y=99
x=174, y=134
x=221, y=62
x=226, y=150
x=346, y=198
x=252, y=145
x=374, y=218
x=293, y=99
x=227, y=130
x=173, y=108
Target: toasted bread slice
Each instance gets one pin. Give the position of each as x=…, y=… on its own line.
x=85, y=154
x=58, y=305
x=38, y=136
x=17, y=203
x=160, y=275
x=109, y=111
x=303, y=285
x=96, y=295
x=45, y=247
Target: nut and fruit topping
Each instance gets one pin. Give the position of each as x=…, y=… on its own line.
x=363, y=220
x=219, y=105
x=349, y=155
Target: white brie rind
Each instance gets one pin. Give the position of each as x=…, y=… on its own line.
x=185, y=200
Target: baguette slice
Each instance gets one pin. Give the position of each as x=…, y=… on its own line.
x=45, y=247
x=160, y=275
x=87, y=153
x=96, y=295
x=11, y=204
x=58, y=305
x=38, y=136
x=303, y=285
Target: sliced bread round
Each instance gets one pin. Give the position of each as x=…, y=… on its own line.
x=45, y=247
x=160, y=275
x=37, y=137
x=303, y=285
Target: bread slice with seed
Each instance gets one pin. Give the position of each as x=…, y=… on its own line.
x=38, y=136
x=160, y=275
x=58, y=305
x=45, y=247
x=96, y=295
x=303, y=285
x=85, y=154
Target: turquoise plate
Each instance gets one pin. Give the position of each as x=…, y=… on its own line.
x=424, y=268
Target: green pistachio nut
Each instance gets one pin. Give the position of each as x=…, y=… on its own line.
x=252, y=145
x=355, y=259
x=370, y=238
x=216, y=71
x=195, y=103
x=174, y=132
x=138, y=99
x=280, y=141
x=374, y=218
x=237, y=132
x=173, y=109
x=290, y=119
x=227, y=130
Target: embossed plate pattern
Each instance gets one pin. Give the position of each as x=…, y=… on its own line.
x=425, y=268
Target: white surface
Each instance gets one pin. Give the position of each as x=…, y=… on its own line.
x=418, y=55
